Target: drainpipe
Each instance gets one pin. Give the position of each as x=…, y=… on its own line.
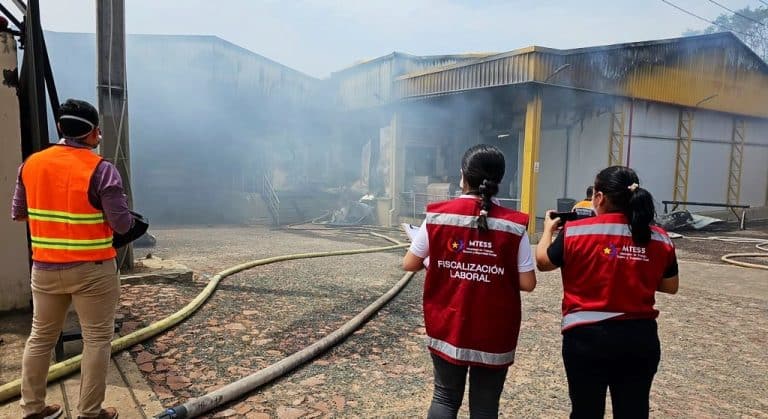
x=567, y=158
x=629, y=138
x=393, y=171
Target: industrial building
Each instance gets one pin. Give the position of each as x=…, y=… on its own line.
x=209, y=122
x=689, y=114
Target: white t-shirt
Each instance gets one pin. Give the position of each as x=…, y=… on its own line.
x=420, y=247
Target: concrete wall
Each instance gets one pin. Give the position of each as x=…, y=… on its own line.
x=14, y=256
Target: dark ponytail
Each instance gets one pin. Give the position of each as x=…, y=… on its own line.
x=642, y=214
x=483, y=168
x=487, y=190
x=621, y=187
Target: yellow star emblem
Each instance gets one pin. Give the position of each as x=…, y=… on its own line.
x=607, y=251
x=455, y=245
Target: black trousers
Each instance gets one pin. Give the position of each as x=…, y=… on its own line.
x=620, y=355
x=485, y=386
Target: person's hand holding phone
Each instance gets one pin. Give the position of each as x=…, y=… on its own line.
x=551, y=224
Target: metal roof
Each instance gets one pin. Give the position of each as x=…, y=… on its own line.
x=370, y=83
x=716, y=72
x=430, y=58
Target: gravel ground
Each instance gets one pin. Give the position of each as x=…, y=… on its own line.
x=714, y=362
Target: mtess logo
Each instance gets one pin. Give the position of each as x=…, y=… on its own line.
x=456, y=246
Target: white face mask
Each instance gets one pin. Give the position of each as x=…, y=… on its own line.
x=461, y=180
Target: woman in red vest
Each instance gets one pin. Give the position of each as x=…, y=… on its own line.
x=612, y=266
x=479, y=259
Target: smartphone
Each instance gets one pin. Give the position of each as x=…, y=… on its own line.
x=564, y=216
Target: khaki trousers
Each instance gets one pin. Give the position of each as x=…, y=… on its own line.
x=94, y=289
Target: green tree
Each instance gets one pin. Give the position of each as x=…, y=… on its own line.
x=750, y=25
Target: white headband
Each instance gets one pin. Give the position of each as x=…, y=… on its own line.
x=83, y=120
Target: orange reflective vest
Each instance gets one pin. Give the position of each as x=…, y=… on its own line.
x=64, y=226
x=584, y=209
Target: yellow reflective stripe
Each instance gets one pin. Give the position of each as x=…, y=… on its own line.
x=71, y=244
x=57, y=219
x=67, y=215
x=74, y=242
x=70, y=247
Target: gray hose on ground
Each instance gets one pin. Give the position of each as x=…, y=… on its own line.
x=237, y=389
x=71, y=365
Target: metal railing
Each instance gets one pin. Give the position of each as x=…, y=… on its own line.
x=270, y=197
x=414, y=204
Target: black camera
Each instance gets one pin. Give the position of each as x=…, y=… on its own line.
x=140, y=226
x=564, y=216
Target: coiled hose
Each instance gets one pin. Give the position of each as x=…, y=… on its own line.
x=71, y=365
x=760, y=244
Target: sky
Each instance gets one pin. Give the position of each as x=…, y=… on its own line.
x=318, y=37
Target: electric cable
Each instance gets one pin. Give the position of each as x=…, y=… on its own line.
x=739, y=14
x=704, y=19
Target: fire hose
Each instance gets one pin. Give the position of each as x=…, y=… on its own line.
x=760, y=244
x=71, y=365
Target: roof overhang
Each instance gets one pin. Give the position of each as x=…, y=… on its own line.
x=716, y=72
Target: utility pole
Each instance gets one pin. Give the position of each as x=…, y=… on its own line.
x=113, y=98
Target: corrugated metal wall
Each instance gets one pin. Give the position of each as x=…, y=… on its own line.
x=204, y=61
x=204, y=114
x=711, y=73
x=498, y=70
x=652, y=155
x=653, y=150
x=715, y=72
x=371, y=84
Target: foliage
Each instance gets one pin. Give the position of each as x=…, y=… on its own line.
x=751, y=27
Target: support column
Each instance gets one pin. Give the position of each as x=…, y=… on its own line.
x=396, y=173
x=113, y=99
x=616, y=139
x=530, y=172
x=683, y=155
x=737, y=158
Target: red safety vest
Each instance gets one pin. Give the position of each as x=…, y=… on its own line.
x=606, y=275
x=472, y=288
x=63, y=225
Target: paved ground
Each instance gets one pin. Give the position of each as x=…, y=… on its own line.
x=714, y=332
x=126, y=388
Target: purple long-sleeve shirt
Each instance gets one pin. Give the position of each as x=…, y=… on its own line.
x=105, y=191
